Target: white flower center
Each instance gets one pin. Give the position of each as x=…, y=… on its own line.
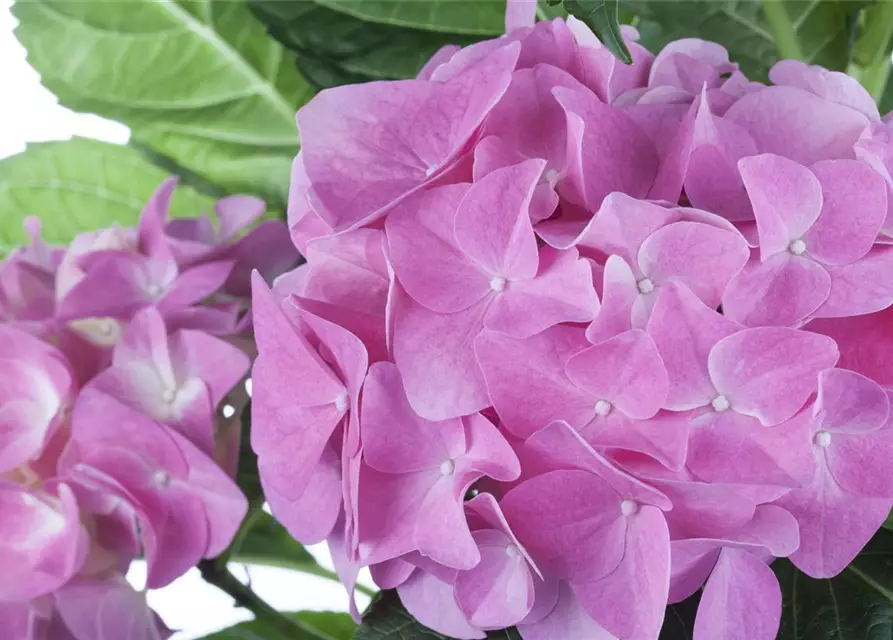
x=169, y=395
x=161, y=479
x=512, y=551
x=822, y=439
x=628, y=507
x=447, y=467
x=154, y=290
x=645, y=285
x=341, y=403
x=720, y=403
x=797, y=247
x=602, y=408
x=106, y=327
x=497, y=284
x=551, y=176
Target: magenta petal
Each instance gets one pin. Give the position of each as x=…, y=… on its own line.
x=797, y=124
x=194, y=285
x=492, y=224
x=786, y=199
x=359, y=165
x=685, y=330
x=853, y=211
x=860, y=462
x=626, y=371
x=865, y=343
x=742, y=599
x=531, y=396
x=435, y=355
x=488, y=451
x=562, y=291
x=432, y=602
x=630, y=602
x=783, y=291
x=703, y=257
x=834, y=524
x=424, y=254
x=570, y=521
x=664, y=437
x=441, y=531
x=769, y=372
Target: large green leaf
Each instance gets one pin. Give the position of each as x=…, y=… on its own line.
x=335, y=48
x=386, y=619
x=822, y=29
x=80, y=185
x=325, y=625
x=469, y=17
x=198, y=81
x=855, y=605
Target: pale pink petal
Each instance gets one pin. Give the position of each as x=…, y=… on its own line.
x=568, y=619
x=742, y=599
x=832, y=85
x=769, y=372
x=861, y=287
x=620, y=292
x=626, y=371
x=849, y=402
x=531, y=396
x=432, y=602
x=441, y=531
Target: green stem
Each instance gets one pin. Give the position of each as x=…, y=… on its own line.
x=874, y=48
x=782, y=29
x=220, y=577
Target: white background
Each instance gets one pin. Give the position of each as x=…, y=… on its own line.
x=30, y=113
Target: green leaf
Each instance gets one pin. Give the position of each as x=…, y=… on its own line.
x=468, y=17
x=200, y=82
x=247, y=475
x=80, y=185
x=822, y=29
x=327, y=624
x=601, y=17
x=679, y=620
x=386, y=619
x=334, y=48
x=857, y=604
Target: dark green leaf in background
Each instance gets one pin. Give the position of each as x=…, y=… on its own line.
x=199, y=82
x=328, y=625
x=822, y=29
x=482, y=18
x=601, y=17
x=335, y=48
x=679, y=620
x=855, y=605
x=80, y=185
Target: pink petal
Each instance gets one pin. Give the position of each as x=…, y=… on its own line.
x=834, y=524
x=731, y=448
x=865, y=343
x=861, y=287
x=441, y=531
x=797, y=124
x=570, y=521
x=492, y=223
x=395, y=439
x=626, y=371
x=859, y=462
x=424, y=254
x=630, y=602
x=530, y=396
x=435, y=355
x=431, y=602
x=783, y=291
x=742, y=599
x=361, y=165
x=685, y=330
x=562, y=291
x=664, y=437
x=237, y=213
x=851, y=403
x=853, y=211
x=702, y=257
x=623, y=223
x=832, y=85
x=194, y=285
x=620, y=292
x=217, y=363
x=786, y=199
x=769, y=372
x=615, y=155
x=568, y=619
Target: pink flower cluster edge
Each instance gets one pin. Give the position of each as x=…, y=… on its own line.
x=576, y=339
x=116, y=354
